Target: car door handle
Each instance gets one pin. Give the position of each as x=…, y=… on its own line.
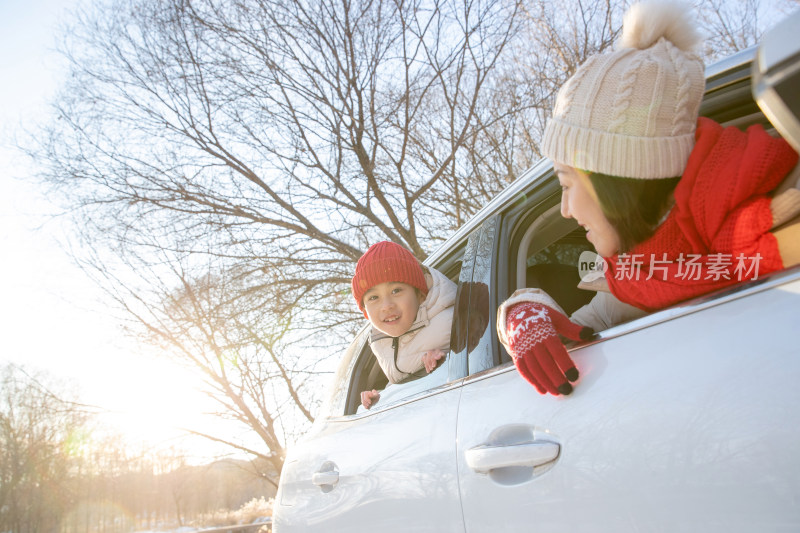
x=325, y=477
x=485, y=458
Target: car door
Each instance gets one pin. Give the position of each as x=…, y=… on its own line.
x=389, y=469
x=684, y=420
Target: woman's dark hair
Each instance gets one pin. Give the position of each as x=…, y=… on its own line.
x=634, y=207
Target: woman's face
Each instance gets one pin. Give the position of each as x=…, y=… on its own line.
x=579, y=201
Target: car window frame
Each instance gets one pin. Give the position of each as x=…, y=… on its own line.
x=529, y=203
x=727, y=99
x=541, y=196
x=482, y=350
x=358, y=355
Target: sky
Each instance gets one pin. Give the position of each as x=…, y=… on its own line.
x=52, y=317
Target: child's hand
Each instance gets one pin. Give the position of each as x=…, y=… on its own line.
x=431, y=359
x=370, y=398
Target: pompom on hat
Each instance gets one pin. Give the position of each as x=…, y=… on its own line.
x=632, y=112
x=385, y=262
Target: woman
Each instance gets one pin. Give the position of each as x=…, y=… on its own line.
x=677, y=206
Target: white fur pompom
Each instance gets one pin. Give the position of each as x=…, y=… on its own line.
x=646, y=22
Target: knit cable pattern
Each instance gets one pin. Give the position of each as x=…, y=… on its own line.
x=622, y=100
x=683, y=104
x=573, y=84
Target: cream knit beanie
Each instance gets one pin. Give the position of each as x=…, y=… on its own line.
x=632, y=112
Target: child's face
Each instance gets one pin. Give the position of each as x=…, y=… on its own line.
x=392, y=307
x=579, y=201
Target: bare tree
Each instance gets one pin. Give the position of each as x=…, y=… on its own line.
x=218, y=325
x=554, y=39
x=39, y=426
x=225, y=163
x=730, y=26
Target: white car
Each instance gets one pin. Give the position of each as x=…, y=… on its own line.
x=684, y=420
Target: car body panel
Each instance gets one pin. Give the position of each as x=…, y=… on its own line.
x=399, y=458
x=664, y=432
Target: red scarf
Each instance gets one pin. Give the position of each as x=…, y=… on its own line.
x=718, y=232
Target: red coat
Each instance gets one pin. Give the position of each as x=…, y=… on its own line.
x=718, y=232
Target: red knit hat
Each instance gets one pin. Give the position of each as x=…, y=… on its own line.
x=386, y=261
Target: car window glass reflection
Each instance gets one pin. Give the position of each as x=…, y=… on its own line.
x=472, y=315
x=482, y=354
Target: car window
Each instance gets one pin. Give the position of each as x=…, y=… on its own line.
x=479, y=312
x=555, y=265
x=530, y=245
x=545, y=250
x=359, y=369
x=336, y=402
x=540, y=248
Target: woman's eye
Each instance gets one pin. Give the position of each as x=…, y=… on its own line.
x=371, y=298
x=396, y=290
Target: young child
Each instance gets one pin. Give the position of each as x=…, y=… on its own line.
x=410, y=308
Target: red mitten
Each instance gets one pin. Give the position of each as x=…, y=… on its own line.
x=532, y=330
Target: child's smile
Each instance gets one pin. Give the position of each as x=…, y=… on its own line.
x=392, y=307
